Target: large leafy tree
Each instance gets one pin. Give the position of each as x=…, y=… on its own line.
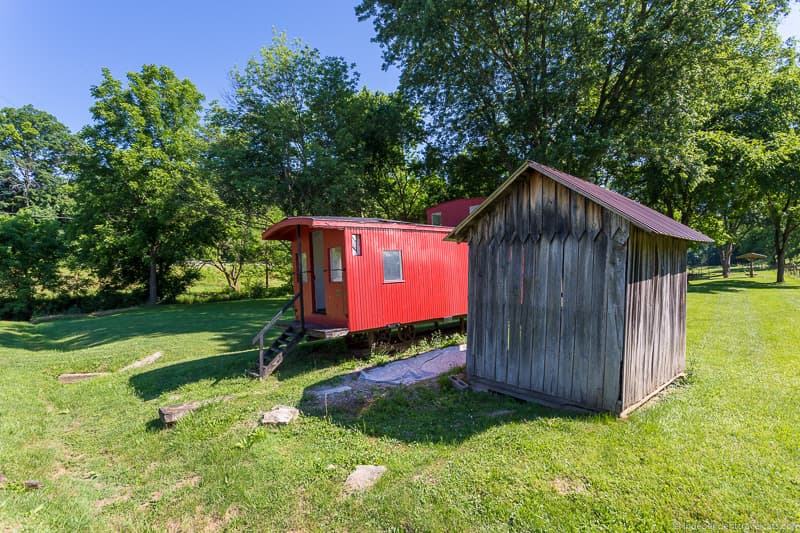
x=35, y=154
x=144, y=207
x=556, y=81
x=298, y=134
x=32, y=245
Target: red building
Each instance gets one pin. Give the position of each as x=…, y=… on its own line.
x=361, y=274
x=452, y=212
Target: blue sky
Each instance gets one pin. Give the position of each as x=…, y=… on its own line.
x=52, y=52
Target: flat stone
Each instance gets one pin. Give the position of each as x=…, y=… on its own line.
x=332, y=390
x=279, y=415
x=149, y=360
x=83, y=376
x=363, y=478
x=500, y=412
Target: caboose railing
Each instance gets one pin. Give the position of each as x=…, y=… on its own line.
x=259, y=338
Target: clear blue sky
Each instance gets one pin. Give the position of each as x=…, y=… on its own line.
x=52, y=52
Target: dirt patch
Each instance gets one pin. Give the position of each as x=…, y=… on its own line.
x=191, y=481
x=202, y=521
x=565, y=486
x=111, y=500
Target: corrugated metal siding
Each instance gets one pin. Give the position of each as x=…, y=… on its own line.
x=454, y=211
x=434, y=274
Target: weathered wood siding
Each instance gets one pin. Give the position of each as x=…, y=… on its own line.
x=547, y=298
x=655, y=339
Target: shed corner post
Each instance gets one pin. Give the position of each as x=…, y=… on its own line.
x=299, y=270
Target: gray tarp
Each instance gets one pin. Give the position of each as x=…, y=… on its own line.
x=418, y=368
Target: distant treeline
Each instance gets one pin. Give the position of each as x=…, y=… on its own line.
x=691, y=109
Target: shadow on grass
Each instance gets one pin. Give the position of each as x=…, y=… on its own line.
x=735, y=285
x=306, y=357
x=234, y=323
x=428, y=412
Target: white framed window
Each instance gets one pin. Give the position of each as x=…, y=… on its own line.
x=304, y=267
x=392, y=266
x=355, y=244
x=335, y=257
x=436, y=219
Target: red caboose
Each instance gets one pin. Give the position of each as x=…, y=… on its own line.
x=366, y=274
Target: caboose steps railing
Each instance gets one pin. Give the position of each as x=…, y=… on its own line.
x=287, y=340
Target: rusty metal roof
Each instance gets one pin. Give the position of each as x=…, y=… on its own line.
x=285, y=229
x=638, y=214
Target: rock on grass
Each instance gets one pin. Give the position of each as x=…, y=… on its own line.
x=363, y=478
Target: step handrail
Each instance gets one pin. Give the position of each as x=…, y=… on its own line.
x=259, y=338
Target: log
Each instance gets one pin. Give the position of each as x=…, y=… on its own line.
x=83, y=376
x=171, y=414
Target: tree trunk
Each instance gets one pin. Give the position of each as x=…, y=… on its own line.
x=152, y=297
x=725, y=253
x=781, y=256
x=266, y=274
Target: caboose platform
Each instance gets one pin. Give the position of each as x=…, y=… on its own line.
x=318, y=331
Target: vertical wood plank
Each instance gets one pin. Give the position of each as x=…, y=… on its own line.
x=598, y=319
x=615, y=311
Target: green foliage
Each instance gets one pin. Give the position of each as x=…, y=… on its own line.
x=299, y=135
x=558, y=82
x=35, y=152
x=32, y=246
x=718, y=451
x=144, y=207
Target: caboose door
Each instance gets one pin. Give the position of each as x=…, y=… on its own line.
x=318, y=258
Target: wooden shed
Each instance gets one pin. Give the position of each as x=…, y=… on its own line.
x=577, y=294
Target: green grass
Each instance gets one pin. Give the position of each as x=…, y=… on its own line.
x=722, y=449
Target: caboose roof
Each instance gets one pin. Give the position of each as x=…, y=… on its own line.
x=286, y=228
x=637, y=214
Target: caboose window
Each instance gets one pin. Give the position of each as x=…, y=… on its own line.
x=355, y=243
x=336, y=264
x=392, y=266
x=436, y=219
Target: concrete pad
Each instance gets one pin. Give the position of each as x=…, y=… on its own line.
x=363, y=478
x=280, y=415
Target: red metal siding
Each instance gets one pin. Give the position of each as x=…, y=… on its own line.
x=454, y=211
x=434, y=282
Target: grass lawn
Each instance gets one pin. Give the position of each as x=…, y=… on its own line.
x=721, y=449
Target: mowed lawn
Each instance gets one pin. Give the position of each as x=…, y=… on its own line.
x=720, y=450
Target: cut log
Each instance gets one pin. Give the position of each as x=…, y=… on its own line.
x=32, y=484
x=75, y=378
x=171, y=414
x=149, y=360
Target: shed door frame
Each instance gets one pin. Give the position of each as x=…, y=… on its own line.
x=318, y=267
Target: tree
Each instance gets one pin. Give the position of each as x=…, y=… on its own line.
x=32, y=245
x=144, y=208
x=35, y=151
x=554, y=81
x=731, y=199
x=298, y=134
